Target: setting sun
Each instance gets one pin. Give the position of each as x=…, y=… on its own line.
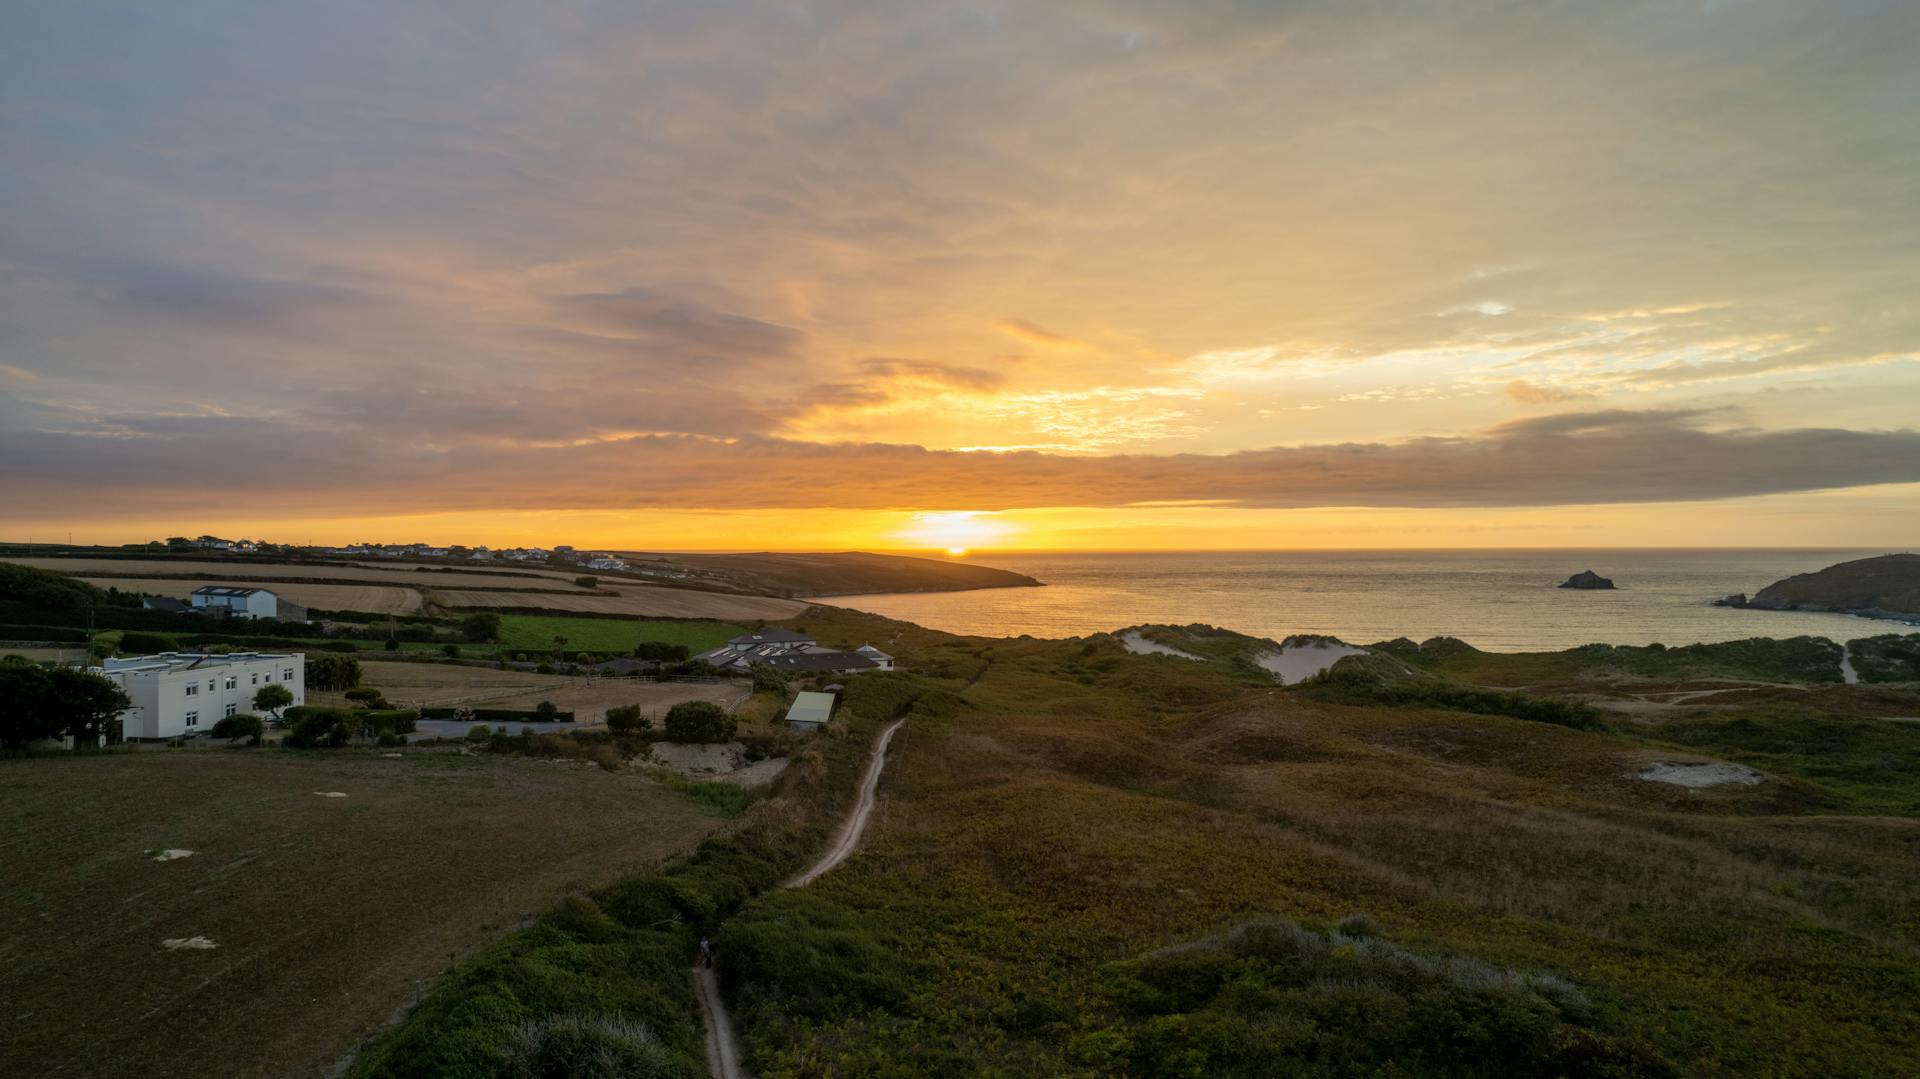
x=955, y=532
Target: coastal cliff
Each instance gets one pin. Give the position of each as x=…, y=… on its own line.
x=837, y=574
x=1887, y=586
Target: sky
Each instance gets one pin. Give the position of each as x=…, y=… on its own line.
x=1081, y=273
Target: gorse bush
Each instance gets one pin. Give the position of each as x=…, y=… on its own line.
x=586, y=1047
x=699, y=722
x=1273, y=996
x=1354, y=680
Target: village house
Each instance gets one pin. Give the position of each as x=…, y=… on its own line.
x=180, y=694
x=235, y=601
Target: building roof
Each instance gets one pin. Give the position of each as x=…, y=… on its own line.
x=819, y=661
x=869, y=650
x=226, y=590
x=165, y=603
x=186, y=661
x=811, y=708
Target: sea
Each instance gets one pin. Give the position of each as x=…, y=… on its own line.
x=1497, y=600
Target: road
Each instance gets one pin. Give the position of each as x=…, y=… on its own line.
x=723, y=1049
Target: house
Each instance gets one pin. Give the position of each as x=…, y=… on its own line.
x=180, y=694
x=606, y=562
x=810, y=711
x=236, y=601
x=880, y=659
x=167, y=604
x=783, y=650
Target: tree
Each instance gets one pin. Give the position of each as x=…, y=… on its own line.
x=624, y=719
x=546, y=712
x=450, y=650
x=768, y=680
x=559, y=645
x=271, y=698
x=332, y=672
x=242, y=725
x=87, y=706
x=661, y=652
x=699, y=722
x=26, y=703
x=480, y=627
x=392, y=645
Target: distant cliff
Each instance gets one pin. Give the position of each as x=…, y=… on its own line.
x=841, y=574
x=1884, y=587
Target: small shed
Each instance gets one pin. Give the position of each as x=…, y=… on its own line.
x=810, y=711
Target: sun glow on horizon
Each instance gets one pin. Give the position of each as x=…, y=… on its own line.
x=955, y=532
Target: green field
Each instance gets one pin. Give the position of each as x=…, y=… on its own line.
x=536, y=632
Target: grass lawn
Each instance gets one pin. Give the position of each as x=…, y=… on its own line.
x=535, y=632
x=326, y=915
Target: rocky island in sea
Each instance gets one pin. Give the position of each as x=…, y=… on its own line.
x=1587, y=579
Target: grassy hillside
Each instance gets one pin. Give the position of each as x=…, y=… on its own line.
x=846, y=573
x=1110, y=864
x=1888, y=585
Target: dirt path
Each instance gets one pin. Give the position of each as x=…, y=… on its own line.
x=1847, y=673
x=723, y=1049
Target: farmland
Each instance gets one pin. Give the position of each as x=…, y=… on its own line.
x=419, y=685
x=637, y=600
x=326, y=915
x=374, y=598
x=398, y=575
x=537, y=632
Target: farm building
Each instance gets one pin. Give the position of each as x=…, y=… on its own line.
x=784, y=650
x=178, y=694
x=235, y=601
x=810, y=711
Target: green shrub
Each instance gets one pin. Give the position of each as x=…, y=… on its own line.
x=699, y=722
x=585, y=1047
x=368, y=697
x=479, y=732
x=450, y=650
x=53, y=634
x=318, y=728
x=240, y=725
x=546, y=712
x=145, y=644
x=624, y=719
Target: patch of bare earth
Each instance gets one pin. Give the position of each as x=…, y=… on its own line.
x=325, y=915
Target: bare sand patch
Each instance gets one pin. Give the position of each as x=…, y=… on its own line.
x=1299, y=661
x=192, y=944
x=1695, y=774
x=171, y=854
x=1137, y=643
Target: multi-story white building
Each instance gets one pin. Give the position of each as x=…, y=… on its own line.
x=179, y=694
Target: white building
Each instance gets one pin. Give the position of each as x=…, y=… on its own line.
x=237, y=602
x=810, y=711
x=880, y=659
x=786, y=650
x=606, y=562
x=179, y=694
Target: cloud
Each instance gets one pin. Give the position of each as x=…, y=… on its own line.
x=1530, y=393
x=1040, y=336
x=1580, y=458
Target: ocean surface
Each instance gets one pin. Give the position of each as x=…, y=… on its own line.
x=1498, y=600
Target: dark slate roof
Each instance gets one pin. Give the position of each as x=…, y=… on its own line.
x=820, y=661
x=225, y=590
x=165, y=603
x=771, y=636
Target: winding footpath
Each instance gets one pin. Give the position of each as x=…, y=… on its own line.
x=723, y=1049
x=1847, y=673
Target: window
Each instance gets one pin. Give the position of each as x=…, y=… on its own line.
x=232, y=708
x=287, y=675
x=233, y=682
x=209, y=685
x=256, y=678
x=193, y=719
x=193, y=689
